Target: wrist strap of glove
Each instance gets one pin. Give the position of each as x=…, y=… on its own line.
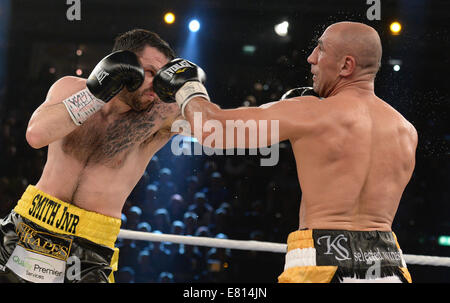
x=82, y=105
x=189, y=91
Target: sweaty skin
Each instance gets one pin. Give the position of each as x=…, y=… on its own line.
x=96, y=165
x=355, y=154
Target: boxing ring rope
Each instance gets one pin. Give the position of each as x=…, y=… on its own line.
x=253, y=245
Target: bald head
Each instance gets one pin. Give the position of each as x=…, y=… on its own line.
x=358, y=40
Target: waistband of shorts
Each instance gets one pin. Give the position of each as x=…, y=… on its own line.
x=312, y=247
x=304, y=238
x=64, y=218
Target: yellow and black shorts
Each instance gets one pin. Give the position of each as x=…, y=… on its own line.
x=44, y=239
x=339, y=256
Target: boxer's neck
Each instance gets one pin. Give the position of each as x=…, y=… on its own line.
x=363, y=84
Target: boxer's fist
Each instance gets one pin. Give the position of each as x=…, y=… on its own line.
x=298, y=92
x=113, y=72
x=179, y=81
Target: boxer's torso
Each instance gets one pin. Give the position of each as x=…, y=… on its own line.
x=355, y=167
x=97, y=165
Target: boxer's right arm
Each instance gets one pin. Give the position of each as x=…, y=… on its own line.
x=51, y=121
x=71, y=101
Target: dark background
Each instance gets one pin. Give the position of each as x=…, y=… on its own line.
x=38, y=45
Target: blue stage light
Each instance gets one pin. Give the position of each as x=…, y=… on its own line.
x=194, y=25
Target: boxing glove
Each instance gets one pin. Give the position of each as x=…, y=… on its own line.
x=114, y=72
x=179, y=81
x=298, y=92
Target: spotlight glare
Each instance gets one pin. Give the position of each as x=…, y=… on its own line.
x=79, y=72
x=169, y=18
x=282, y=28
x=396, y=67
x=194, y=25
x=395, y=28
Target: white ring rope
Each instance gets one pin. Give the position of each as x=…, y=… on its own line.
x=253, y=245
x=204, y=241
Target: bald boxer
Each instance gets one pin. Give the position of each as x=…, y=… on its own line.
x=101, y=133
x=355, y=154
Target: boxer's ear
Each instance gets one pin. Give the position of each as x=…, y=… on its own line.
x=348, y=66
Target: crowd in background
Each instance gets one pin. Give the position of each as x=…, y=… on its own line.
x=221, y=196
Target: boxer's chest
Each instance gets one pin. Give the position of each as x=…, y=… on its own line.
x=103, y=140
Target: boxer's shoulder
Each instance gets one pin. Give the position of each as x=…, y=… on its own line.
x=65, y=87
x=395, y=116
x=69, y=83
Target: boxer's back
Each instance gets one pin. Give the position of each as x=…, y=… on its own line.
x=354, y=169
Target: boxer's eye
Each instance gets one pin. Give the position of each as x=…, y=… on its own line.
x=320, y=44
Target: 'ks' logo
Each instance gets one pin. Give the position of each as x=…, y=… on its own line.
x=334, y=245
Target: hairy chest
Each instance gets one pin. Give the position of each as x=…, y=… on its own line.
x=102, y=140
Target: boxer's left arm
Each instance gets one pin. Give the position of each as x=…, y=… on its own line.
x=182, y=81
x=276, y=121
